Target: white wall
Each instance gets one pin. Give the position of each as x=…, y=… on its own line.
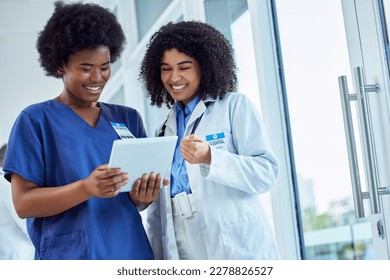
x=22, y=80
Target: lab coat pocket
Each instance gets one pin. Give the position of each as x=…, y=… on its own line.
x=240, y=237
x=66, y=247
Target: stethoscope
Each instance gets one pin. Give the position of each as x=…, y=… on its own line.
x=161, y=133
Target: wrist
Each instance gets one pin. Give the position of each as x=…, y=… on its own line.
x=83, y=186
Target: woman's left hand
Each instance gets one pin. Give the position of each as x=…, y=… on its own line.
x=146, y=190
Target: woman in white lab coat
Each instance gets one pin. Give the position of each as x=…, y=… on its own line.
x=223, y=161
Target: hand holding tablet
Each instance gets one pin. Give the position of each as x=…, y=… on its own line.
x=142, y=155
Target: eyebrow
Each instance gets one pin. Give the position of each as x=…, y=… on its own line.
x=90, y=64
x=181, y=62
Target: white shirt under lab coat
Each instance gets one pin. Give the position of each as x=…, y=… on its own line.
x=15, y=243
x=234, y=224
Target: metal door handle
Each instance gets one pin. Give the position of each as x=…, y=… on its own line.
x=368, y=143
x=368, y=139
x=351, y=145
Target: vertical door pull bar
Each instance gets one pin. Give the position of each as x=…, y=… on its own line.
x=367, y=137
x=351, y=146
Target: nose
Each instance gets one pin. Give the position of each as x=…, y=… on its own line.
x=175, y=77
x=95, y=76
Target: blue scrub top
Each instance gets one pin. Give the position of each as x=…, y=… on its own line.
x=50, y=145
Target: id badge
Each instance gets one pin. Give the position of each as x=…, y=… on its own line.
x=122, y=131
x=217, y=141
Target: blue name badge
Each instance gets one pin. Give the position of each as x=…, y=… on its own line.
x=122, y=131
x=217, y=140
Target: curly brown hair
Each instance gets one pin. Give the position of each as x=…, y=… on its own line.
x=74, y=27
x=203, y=43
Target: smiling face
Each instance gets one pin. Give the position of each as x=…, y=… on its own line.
x=180, y=75
x=85, y=75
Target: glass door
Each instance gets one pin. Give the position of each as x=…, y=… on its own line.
x=314, y=51
x=368, y=47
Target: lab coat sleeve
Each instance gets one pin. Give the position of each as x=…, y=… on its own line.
x=252, y=167
x=9, y=208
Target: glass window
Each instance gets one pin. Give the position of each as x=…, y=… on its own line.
x=148, y=11
x=232, y=18
x=242, y=43
x=222, y=13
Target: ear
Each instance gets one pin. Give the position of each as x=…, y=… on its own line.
x=60, y=70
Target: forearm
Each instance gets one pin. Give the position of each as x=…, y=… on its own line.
x=49, y=201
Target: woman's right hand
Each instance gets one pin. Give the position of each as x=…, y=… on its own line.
x=105, y=182
x=31, y=200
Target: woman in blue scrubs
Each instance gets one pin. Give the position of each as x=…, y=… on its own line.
x=58, y=149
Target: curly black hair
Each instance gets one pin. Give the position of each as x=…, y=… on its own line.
x=74, y=27
x=203, y=43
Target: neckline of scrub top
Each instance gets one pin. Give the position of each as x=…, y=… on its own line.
x=77, y=116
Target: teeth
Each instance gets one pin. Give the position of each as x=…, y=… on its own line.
x=92, y=88
x=178, y=87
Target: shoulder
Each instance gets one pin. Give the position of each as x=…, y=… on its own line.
x=237, y=105
x=235, y=97
x=233, y=100
x=38, y=107
x=37, y=111
x=118, y=109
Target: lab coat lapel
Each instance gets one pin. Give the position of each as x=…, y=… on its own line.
x=171, y=127
x=199, y=109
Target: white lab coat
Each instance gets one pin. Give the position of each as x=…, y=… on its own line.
x=234, y=225
x=15, y=244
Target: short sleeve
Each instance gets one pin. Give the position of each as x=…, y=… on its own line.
x=140, y=125
x=24, y=151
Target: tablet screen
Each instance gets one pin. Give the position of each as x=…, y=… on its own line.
x=143, y=155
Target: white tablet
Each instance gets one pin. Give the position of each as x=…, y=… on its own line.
x=142, y=155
